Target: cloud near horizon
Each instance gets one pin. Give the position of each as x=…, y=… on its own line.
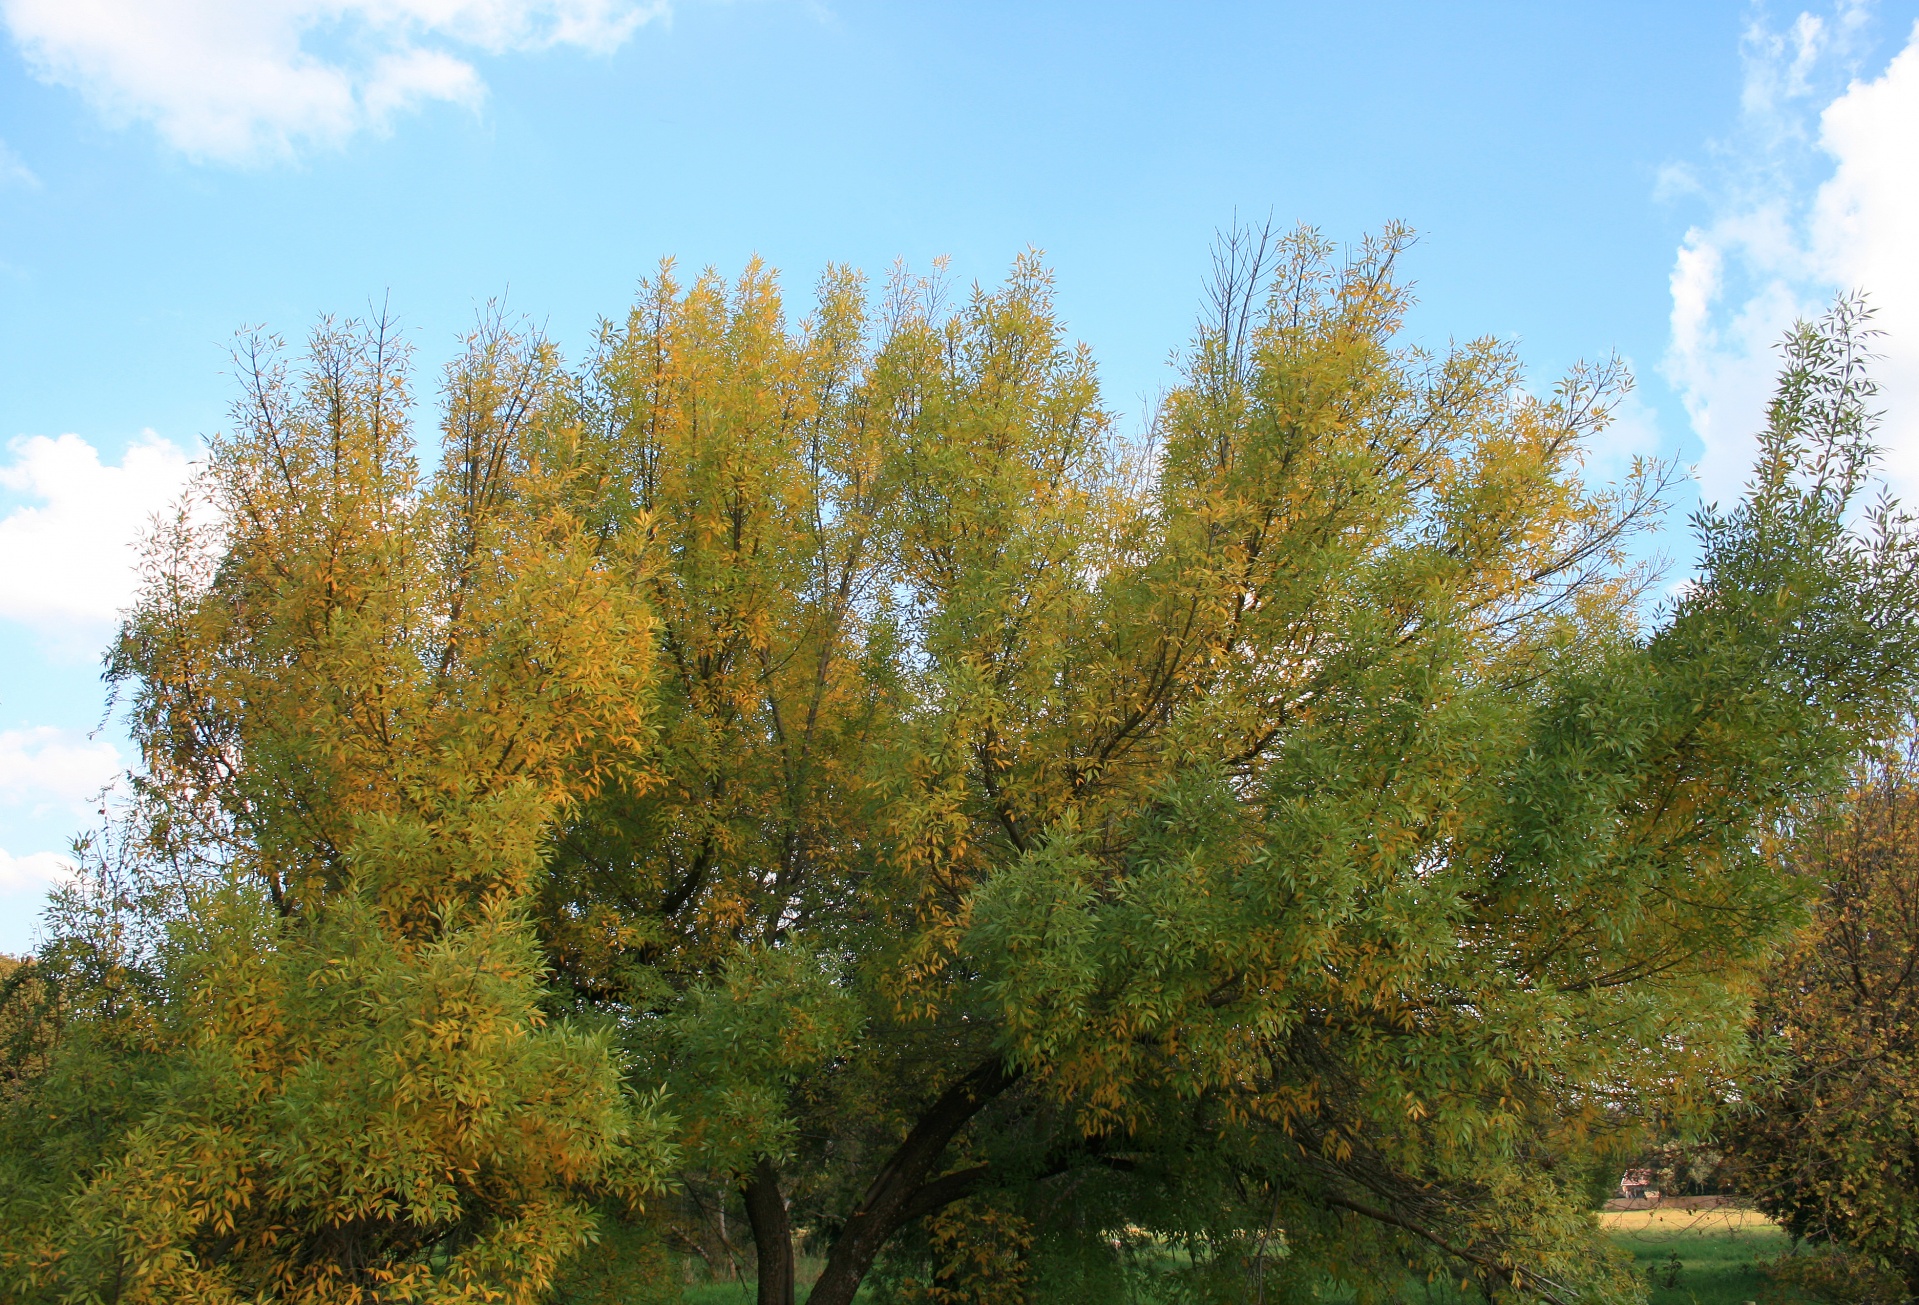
x=52, y=771
x=248, y=81
x=69, y=555
x=51, y=775
x=33, y=873
x=1818, y=195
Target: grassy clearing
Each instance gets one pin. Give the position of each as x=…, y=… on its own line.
x=719, y=1293
x=1703, y=1257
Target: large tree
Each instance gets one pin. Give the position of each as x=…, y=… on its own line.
x=1826, y=1137
x=288, y=1039
x=1283, y=837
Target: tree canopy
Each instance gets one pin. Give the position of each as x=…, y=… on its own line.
x=822, y=769
x=1827, y=1134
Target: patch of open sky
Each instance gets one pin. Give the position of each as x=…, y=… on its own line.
x=1558, y=162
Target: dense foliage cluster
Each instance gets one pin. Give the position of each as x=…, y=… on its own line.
x=818, y=774
x=1828, y=1139
x=295, y=1037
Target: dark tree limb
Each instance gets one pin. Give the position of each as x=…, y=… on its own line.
x=682, y=893
x=905, y=1188
x=772, y=1234
x=942, y=1192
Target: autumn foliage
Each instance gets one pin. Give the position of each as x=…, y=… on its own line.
x=1827, y=1139
x=821, y=774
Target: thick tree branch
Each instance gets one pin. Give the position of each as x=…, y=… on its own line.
x=901, y=1192
x=772, y=1234
x=942, y=1192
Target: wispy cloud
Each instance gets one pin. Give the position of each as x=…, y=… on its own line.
x=14, y=170
x=68, y=556
x=47, y=771
x=48, y=777
x=33, y=873
x=1817, y=193
x=251, y=80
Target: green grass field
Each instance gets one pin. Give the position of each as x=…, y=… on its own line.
x=720, y=1293
x=1713, y=1257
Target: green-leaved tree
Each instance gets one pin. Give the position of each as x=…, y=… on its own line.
x=289, y=1041
x=1284, y=839
x=1827, y=1135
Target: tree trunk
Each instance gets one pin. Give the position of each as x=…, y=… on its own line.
x=772, y=1234
x=905, y=1188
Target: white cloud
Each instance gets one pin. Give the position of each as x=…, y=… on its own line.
x=50, y=770
x=14, y=170
x=51, y=777
x=34, y=871
x=1819, y=194
x=244, y=80
x=1865, y=232
x=69, y=562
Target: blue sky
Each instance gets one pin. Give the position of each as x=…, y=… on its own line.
x=1671, y=182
